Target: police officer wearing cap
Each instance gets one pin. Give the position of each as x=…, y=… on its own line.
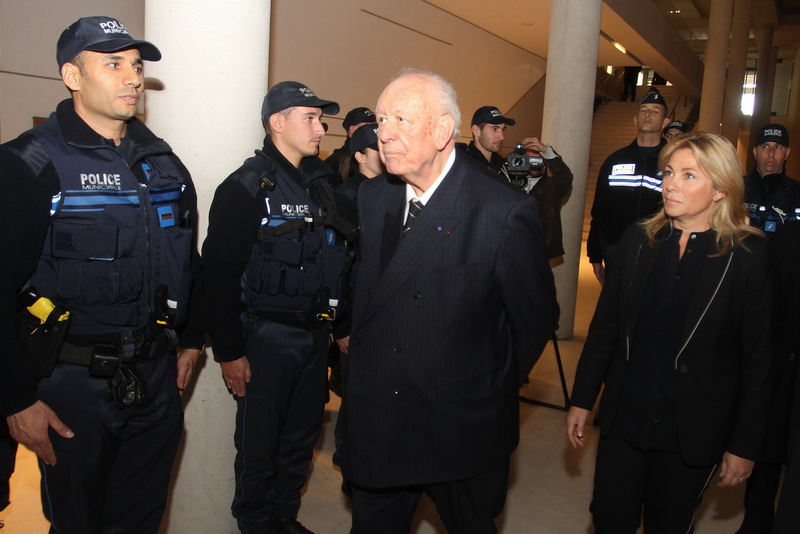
x=674, y=129
x=355, y=119
x=488, y=133
x=772, y=200
x=98, y=219
x=771, y=197
x=628, y=184
x=275, y=268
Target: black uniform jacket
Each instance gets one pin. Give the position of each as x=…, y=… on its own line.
x=447, y=322
x=723, y=363
x=25, y=215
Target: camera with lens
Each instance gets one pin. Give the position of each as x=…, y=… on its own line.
x=518, y=162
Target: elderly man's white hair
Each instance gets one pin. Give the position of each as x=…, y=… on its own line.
x=447, y=94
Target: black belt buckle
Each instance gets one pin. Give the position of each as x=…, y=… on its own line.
x=104, y=362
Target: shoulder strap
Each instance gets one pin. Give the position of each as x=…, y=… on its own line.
x=31, y=151
x=257, y=174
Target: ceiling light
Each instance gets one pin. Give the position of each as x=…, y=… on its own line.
x=620, y=48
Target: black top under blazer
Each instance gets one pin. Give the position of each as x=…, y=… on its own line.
x=447, y=322
x=723, y=361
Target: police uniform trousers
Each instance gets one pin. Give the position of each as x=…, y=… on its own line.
x=8, y=456
x=278, y=421
x=632, y=485
x=466, y=506
x=113, y=475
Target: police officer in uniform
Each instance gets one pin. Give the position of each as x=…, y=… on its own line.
x=275, y=267
x=488, y=133
x=98, y=221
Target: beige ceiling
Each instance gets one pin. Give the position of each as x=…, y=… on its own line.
x=525, y=23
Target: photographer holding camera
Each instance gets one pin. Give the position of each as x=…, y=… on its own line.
x=533, y=167
x=542, y=174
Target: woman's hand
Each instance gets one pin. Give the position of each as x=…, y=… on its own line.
x=576, y=421
x=734, y=470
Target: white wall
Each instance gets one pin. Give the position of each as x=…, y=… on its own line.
x=350, y=49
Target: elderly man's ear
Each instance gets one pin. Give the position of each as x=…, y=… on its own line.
x=444, y=131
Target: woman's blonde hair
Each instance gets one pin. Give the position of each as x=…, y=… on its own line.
x=717, y=158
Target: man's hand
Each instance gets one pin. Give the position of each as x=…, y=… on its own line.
x=533, y=146
x=187, y=358
x=236, y=375
x=344, y=344
x=734, y=470
x=576, y=422
x=30, y=427
x=599, y=272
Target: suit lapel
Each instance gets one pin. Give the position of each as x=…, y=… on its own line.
x=439, y=217
x=392, y=228
x=713, y=274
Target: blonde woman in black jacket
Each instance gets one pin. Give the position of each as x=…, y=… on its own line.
x=680, y=339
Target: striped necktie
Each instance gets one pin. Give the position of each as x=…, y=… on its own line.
x=414, y=209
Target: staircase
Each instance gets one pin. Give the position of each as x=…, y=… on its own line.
x=612, y=129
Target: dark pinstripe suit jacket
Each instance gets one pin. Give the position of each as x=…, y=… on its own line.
x=447, y=322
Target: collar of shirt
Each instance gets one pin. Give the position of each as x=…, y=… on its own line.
x=426, y=196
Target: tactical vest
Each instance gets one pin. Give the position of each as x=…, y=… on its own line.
x=117, y=251
x=297, y=264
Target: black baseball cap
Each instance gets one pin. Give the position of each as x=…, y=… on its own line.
x=653, y=96
x=100, y=34
x=357, y=116
x=286, y=95
x=365, y=136
x=677, y=125
x=773, y=132
x=491, y=115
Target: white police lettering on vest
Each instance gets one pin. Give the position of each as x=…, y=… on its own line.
x=101, y=181
x=294, y=210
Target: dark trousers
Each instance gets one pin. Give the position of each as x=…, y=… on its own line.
x=631, y=484
x=787, y=518
x=466, y=506
x=8, y=457
x=113, y=475
x=278, y=421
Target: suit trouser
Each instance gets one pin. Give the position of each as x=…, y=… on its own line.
x=8, y=457
x=631, y=484
x=113, y=475
x=278, y=421
x=466, y=506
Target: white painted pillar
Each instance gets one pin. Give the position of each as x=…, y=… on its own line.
x=567, y=126
x=716, y=60
x=737, y=59
x=213, y=77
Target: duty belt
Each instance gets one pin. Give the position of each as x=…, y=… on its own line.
x=87, y=355
x=307, y=320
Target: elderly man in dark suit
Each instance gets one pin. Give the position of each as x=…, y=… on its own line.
x=451, y=311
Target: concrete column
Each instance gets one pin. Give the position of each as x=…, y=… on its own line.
x=763, y=98
x=716, y=59
x=206, y=104
x=567, y=125
x=737, y=59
